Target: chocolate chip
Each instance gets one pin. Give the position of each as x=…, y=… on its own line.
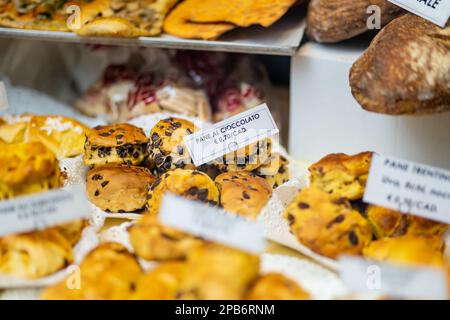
x=340, y=201
x=338, y=219
x=189, y=131
x=136, y=155
x=291, y=219
x=168, y=133
x=105, y=134
x=97, y=193
x=202, y=194
x=245, y=195
x=193, y=191
x=155, y=136
x=105, y=183
x=97, y=177
x=119, y=136
x=176, y=124
x=303, y=205
x=353, y=238
x=180, y=150
x=282, y=170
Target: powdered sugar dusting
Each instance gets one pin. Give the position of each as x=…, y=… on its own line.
x=58, y=124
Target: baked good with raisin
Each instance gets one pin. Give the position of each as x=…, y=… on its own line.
x=153, y=241
x=390, y=223
x=342, y=175
x=120, y=144
x=27, y=168
x=190, y=184
x=218, y=273
x=407, y=249
x=243, y=193
x=109, y=272
x=34, y=255
x=162, y=283
x=275, y=170
x=118, y=187
x=275, y=286
x=247, y=158
x=167, y=150
x=327, y=224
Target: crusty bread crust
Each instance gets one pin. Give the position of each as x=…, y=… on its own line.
x=406, y=69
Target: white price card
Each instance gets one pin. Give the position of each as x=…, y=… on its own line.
x=437, y=11
x=42, y=210
x=4, y=105
x=397, y=281
x=231, y=134
x=409, y=187
x=213, y=224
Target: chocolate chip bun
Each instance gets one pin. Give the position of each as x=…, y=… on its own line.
x=153, y=241
x=167, y=150
x=121, y=144
x=275, y=170
x=327, y=224
x=191, y=184
x=243, y=193
x=342, y=175
x=118, y=188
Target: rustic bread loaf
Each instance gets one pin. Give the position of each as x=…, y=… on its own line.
x=406, y=69
x=337, y=20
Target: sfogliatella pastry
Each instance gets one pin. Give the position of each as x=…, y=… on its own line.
x=405, y=70
x=243, y=193
x=247, y=158
x=408, y=249
x=218, y=273
x=342, y=175
x=27, y=168
x=327, y=224
x=34, y=255
x=121, y=144
x=275, y=286
x=391, y=223
x=167, y=150
x=118, y=187
x=191, y=184
x=275, y=170
x=13, y=128
x=62, y=135
x=162, y=283
x=154, y=241
x=109, y=272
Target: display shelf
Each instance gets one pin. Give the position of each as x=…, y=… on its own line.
x=283, y=38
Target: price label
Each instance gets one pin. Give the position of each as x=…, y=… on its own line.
x=210, y=223
x=436, y=11
x=397, y=281
x=409, y=187
x=4, y=105
x=231, y=135
x=40, y=211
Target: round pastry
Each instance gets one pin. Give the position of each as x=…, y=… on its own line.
x=391, y=223
x=34, y=255
x=407, y=249
x=187, y=183
x=247, y=158
x=118, y=188
x=109, y=272
x=162, y=283
x=63, y=136
x=121, y=144
x=218, y=273
x=275, y=286
x=153, y=241
x=167, y=150
x=342, y=175
x=275, y=170
x=27, y=168
x=243, y=193
x=327, y=224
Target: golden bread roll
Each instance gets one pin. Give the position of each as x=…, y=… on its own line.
x=275, y=286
